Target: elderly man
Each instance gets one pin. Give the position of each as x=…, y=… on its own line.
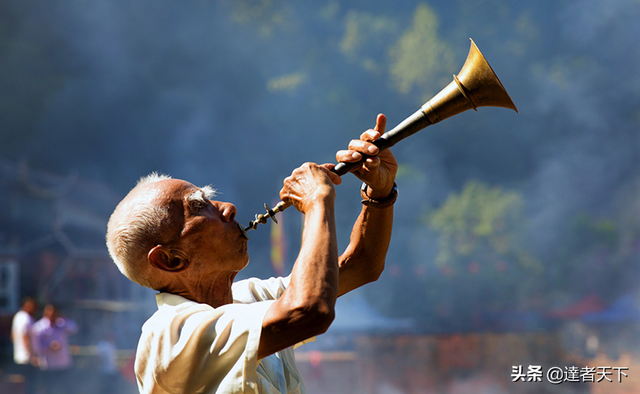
x=211, y=335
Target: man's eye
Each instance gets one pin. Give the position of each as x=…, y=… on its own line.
x=198, y=205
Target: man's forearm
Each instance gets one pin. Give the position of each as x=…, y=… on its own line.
x=315, y=273
x=307, y=306
x=363, y=260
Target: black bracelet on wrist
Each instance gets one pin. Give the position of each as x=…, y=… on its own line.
x=380, y=203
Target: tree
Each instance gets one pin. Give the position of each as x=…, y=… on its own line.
x=482, y=253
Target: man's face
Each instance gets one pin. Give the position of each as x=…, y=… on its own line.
x=204, y=230
x=50, y=312
x=29, y=307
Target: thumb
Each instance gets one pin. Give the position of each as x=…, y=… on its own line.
x=335, y=178
x=381, y=123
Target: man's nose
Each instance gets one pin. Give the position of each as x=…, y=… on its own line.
x=227, y=211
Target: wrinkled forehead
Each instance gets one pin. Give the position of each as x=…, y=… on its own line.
x=171, y=194
x=167, y=191
x=160, y=194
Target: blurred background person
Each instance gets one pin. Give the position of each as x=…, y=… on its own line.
x=109, y=374
x=51, y=346
x=21, y=337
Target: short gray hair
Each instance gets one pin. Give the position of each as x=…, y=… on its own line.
x=132, y=229
x=153, y=177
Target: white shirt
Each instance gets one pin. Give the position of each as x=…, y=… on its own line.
x=187, y=347
x=20, y=326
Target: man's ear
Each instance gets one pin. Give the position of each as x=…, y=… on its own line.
x=166, y=259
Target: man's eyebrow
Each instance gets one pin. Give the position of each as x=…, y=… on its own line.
x=202, y=194
x=196, y=195
x=208, y=191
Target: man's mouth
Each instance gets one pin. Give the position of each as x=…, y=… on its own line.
x=243, y=231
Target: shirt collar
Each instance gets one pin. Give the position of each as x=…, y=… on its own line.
x=170, y=299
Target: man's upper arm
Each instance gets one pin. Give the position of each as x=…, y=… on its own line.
x=283, y=326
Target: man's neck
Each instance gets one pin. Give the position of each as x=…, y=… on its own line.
x=216, y=292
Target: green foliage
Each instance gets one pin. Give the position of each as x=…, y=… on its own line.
x=482, y=254
x=267, y=16
x=420, y=58
x=479, y=221
x=594, y=232
x=286, y=82
x=594, y=255
x=365, y=37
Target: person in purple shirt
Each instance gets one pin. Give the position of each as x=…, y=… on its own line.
x=51, y=346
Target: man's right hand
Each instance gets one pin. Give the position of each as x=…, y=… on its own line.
x=310, y=184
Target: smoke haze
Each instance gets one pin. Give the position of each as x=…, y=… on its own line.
x=239, y=93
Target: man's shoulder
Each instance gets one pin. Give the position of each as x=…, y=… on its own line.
x=21, y=317
x=183, y=333
x=172, y=308
x=22, y=321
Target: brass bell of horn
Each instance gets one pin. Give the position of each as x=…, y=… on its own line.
x=475, y=86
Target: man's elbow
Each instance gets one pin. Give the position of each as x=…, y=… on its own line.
x=316, y=317
x=324, y=320
x=374, y=273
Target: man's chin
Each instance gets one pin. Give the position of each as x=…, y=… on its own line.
x=246, y=263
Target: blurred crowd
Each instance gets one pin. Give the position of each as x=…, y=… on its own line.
x=42, y=356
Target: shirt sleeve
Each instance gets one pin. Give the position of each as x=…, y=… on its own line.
x=201, y=349
x=256, y=290
x=253, y=289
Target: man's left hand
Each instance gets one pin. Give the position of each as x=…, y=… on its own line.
x=379, y=170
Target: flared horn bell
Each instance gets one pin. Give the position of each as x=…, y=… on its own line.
x=475, y=86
